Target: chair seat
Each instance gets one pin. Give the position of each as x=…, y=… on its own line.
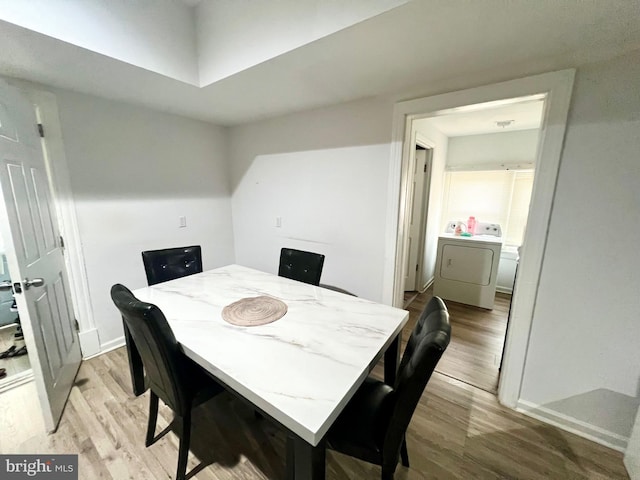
x=362, y=424
x=337, y=289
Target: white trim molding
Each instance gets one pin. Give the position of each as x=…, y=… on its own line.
x=506, y=290
x=16, y=380
x=89, y=343
x=109, y=346
x=632, y=453
x=555, y=88
x=573, y=425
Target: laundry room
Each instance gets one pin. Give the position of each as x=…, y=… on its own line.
x=470, y=211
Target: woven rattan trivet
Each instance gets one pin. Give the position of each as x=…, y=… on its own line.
x=251, y=312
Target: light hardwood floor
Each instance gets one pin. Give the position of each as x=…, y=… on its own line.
x=477, y=338
x=457, y=432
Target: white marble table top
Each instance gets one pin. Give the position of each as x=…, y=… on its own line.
x=301, y=369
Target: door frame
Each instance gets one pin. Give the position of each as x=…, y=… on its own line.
x=411, y=209
x=428, y=145
x=46, y=108
x=555, y=88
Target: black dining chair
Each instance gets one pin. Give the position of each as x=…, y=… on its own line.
x=373, y=425
x=171, y=263
x=160, y=266
x=171, y=375
x=300, y=265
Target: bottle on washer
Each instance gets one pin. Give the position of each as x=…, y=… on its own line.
x=471, y=225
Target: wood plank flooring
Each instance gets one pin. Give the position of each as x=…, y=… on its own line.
x=457, y=432
x=477, y=338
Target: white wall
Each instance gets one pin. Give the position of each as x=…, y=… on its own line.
x=584, y=357
x=234, y=36
x=440, y=144
x=133, y=173
x=155, y=35
x=493, y=151
x=325, y=174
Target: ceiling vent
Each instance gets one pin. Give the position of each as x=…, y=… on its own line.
x=504, y=123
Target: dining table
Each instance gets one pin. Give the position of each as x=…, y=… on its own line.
x=299, y=370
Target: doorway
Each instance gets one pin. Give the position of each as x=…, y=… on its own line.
x=416, y=276
x=487, y=177
x=35, y=254
x=555, y=90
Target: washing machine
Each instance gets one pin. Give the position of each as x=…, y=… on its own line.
x=467, y=267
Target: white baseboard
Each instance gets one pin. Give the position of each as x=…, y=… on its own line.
x=16, y=380
x=504, y=290
x=89, y=342
x=427, y=285
x=109, y=346
x=573, y=425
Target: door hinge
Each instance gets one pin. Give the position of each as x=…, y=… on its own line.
x=41, y=130
x=417, y=267
x=76, y=324
x=61, y=242
x=425, y=168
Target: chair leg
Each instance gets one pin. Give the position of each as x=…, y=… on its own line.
x=153, y=417
x=387, y=473
x=290, y=464
x=404, y=454
x=183, y=453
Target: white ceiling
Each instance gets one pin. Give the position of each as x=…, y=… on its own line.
x=525, y=116
x=421, y=43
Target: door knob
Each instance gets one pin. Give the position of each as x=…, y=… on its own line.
x=36, y=282
x=6, y=285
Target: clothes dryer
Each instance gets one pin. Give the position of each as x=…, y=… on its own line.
x=467, y=267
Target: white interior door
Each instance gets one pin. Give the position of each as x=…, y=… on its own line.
x=35, y=258
x=416, y=222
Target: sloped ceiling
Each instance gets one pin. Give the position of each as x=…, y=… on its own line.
x=417, y=43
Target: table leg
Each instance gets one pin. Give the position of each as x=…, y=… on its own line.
x=391, y=360
x=304, y=461
x=135, y=364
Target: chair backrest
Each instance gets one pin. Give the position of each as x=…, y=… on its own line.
x=426, y=345
x=159, y=350
x=170, y=263
x=300, y=265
